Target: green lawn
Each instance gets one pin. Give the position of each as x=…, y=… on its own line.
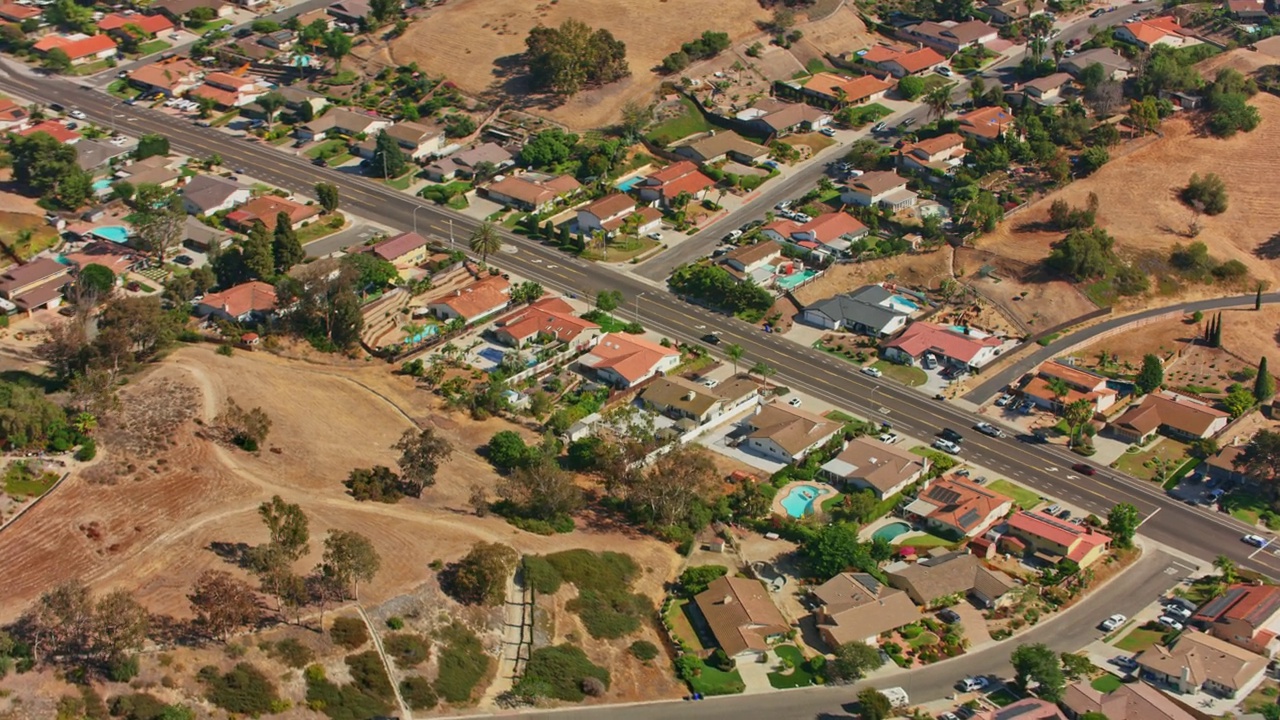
x=1262, y=696
x=717, y=682
x=620, y=249
x=225, y=118
x=21, y=482
x=1165, y=449
x=798, y=676
x=687, y=123
x=1025, y=498
x=1004, y=696
x=923, y=639
x=905, y=374
x=403, y=182
x=1105, y=683
x=153, y=47
x=1139, y=639
x=122, y=89
x=935, y=81
x=839, y=416
x=337, y=160
x=324, y=149
x=866, y=114
x=927, y=540
x=1244, y=506
x=680, y=625
x=320, y=227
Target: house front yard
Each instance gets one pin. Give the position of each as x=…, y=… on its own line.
x=1139, y=639
x=1156, y=462
x=905, y=374
x=1024, y=498
x=801, y=673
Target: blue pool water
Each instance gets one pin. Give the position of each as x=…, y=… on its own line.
x=629, y=183
x=113, y=233
x=891, y=531
x=787, y=282
x=972, y=333
x=101, y=186
x=799, y=502
x=1124, y=389
x=903, y=304
x=494, y=355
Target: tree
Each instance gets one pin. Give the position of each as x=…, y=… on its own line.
x=327, y=194
x=507, y=450
x=675, y=485
x=1144, y=115
x=285, y=247
x=486, y=241
x=57, y=60
x=384, y=11
x=609, y=300
x=67, y=627
x=258, y=252
x=1076, y=665
x=852, y=661
x=695, y=579
x=350, y=559
x=541, y=490
x=734, y=353
x=270, y=104
x=764, y=370
x=388, y=157
x=480, y=577
x=421, y=453
x=1122, y=524
x=337, y=45
x=1038, y=664
x=547, y=148
x=938, y=101
x=833, y=549
x=288, y=527
x=223, y=604
x=377, y=484
x=1227, y=567
x=1059, y=388
x=1151, y=376
x=159, y=218
x=1261, y=458
x=571, y=57
x=1257, y=298
x=1077, y=414
x=246, y=428
x=1209, y=191
x=47, y=167
x=1092, y=159
x=873, y=705
x=635, y=117
x=1238, y=400
x=1264, y=386
x=527, y=292
x=98, y=279
x=151, y=145
x=911, y=87
x=322, y=295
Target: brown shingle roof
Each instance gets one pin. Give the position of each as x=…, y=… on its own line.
x=857, y=606
x=1204, y=657
x=882, y=466
x=1168, y=408
x=740, y=614
x=792, y=429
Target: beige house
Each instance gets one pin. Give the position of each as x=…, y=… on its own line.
x=786, y=434
x=719, y=146
x=868, y=464
x=741, y=615
x=1178, y=416
x=678, y=398
x=1200, y=662
x=885, y=188
x=1081, y=385
x=955, y=573
x=530, y=192
x=855, y=607
x=1130, y=701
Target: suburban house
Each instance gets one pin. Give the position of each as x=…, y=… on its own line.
x=175, y=10
x=855, y=607
x=624, y=360
x=1200, y=662
x=947, y=346
x=15, y=13
x=549, y=317
x=480, y=299
x=34, y=285
x=82, y=49
x=265, y=209
x=951, y=573
x=868, y=464
x=828, y=234
x=1245, y=615
x=95, y=155
x=1116, y=65
x=785, y=434
x=901, y=63
x=417, y=140
x=610, y=212
x=350, y=11
x=340, y=121
x=1046, y=90
x=720, y=145
x=957, y=507
x=463, y=164
x=530, y=192
x=1025, y=709
x=1003, y=12
x=155, y=170
x=245, y=302
x=281, y=40
x=949, y=37
x=296, y=97
x=1080, y=385
x=227, y=90
x=12, y=116
x=53, y=129
x=207, y=194
x=142, y=26
x=1222, y=465
x=775, y=118
x=113, y=256
x=667, y=184
x=1129, y=701
x=944, y=153
x=840, y=90
x=1177, y=416
x=198, y=236
x=171, y=77
x=885, y=188
x=986, y=124
x=1146, y=34
x=741, y=616
x=678, y=398
x=406, y=250
x=1246, y=10
x=1052, y=541
x=755, y=262
x=869, y=310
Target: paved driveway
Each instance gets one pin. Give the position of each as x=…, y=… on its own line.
x=755, y=675
x=358, y=234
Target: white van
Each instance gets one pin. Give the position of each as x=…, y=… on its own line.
x=897, y=696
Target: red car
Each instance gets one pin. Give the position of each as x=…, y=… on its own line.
x=1084, y=469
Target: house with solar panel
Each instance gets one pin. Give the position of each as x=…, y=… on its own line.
x=1246, y=616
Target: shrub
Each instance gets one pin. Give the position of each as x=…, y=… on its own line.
x=369, y=675
x=560, y=672
x=408, y=650
x=243, y=689
x=463, y=663
x=349, y=632
x=607, y=607
x=418, y=693
x=395, y=622
x=122, y=668
x=341, y=703
x=1209, y=192
x=292, y=653
x=141, y=706
x=643, y=650
x=696, y=579
x=541, y=575
x=88, y=450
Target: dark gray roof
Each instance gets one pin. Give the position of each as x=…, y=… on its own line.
x=91, y=154
x=859, y=307
x=209, y=191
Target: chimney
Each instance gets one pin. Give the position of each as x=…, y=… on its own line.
x=689, y=396
x=728, y=600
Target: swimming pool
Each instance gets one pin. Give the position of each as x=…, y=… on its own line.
x=629, y=183
x=903, y=304
x=113, y=233
x=787, y=282
x=891, y=531
x=799, y=502
x=101, y=186
x=971, y=332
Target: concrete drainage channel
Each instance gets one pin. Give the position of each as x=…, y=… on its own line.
x=517, y=635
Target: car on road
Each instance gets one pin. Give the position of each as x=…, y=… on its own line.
x=946, y=446
x=1171, y=623
x=1085, y=469
x=1098, y=13
x=952, y=435
x=711, y=339
x=1112, y=622
x=873, y=372
x=794, y=402
x=949, y=616
x=987, y=428
x=186, y=260
x=972, y=684
x=879, y=127
x=1254, y=540
x=78, y=115
x=889, y=438
x=907, y=123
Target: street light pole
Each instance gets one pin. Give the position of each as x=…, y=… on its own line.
x=416, y=208
x=450, y=232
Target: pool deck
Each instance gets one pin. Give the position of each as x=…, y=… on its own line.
x=869, y=529
x=824, y=491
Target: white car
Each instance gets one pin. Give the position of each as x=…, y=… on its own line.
x=945, y=71
x=794, y=402
x=1255, y=540
x=946, y=446
x=655, y=235
x=828, y=132
x=1177, y=611
x=1112, y=622
x=987, y=428
x=78, y=115
x=873, y=372
x=710, y=383
x=1169, y=622
x=889, y=438
x=1004, y=400
x=972, y=684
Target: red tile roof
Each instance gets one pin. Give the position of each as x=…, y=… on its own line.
x=550, y=315
x=227, y=80
x=266, y=207
x=479, y=298
x=76, y=49
x=18, y=13
x=394, y=247
x=53, y=129
x=881, y=53
x=225, y=98
x=1251, y=604
x=918, y=60
x=988, y=122
x=240, y=299
x=11, y=111
x=168, y=74
x=629, y=356
x=150, y=24
x=922, y=337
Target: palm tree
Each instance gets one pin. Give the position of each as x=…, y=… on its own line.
x=938, y=100
x=1037, y=46
x=764, y=371
x=734, y=353
x=1228, y=568
x=977, y=89
x=1059, y=48
x=85, y=423
x=1077, y=414
x=1059, y=388
x=485, y=240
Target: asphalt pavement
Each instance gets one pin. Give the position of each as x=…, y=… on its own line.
x=357, y=234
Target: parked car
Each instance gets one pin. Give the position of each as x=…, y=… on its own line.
x=889, y=438
x=710, y=383
x=907, y=123
x=1064, y=515
x=944, y=71
x=873, y=372
x=829, y=132
x=655, y=235
x=946, y=446
x=879, y=127
x=1171, y=623
x=949, y=616
x=794, y=402
x=964, y=712
x=972, y=684
x=1177, y=611
x=1004, y=400
x=1124, y=662
x=186, y=260
x=1085, y=469
x=1052, y=509
x=987, y=428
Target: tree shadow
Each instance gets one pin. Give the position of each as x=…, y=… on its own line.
x=25, y=378
x=234, y=553
x=1269, y=249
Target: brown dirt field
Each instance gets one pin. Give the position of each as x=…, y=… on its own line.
x=841, y=32
x=915, y=271
x=465, y=40
x=1150, y=178
x=1243, y=60
x=155, y=525
x=1046, y=302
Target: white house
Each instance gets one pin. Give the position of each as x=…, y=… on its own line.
x=612, y=211
x=885, y=188
x=786, y=434
x=624, y=360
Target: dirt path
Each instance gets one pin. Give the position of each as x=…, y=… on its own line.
x=386, y=663
x=517, y=637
